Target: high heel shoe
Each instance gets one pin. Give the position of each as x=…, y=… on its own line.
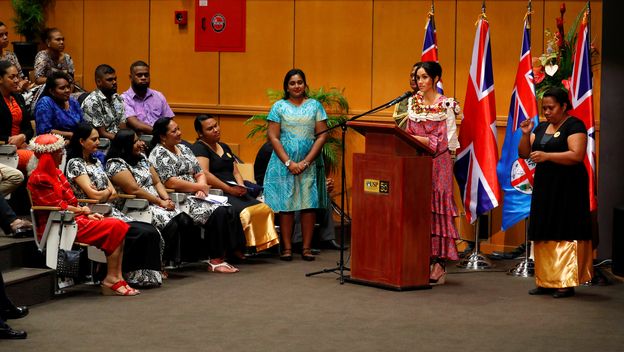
x=286, y=255
x=116, y=289
x=306, y=255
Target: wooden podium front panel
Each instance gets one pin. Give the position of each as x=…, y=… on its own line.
x=390, y=232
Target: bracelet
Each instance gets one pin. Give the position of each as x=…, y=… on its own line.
x=306, y=164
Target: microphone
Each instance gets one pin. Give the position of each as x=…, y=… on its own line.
x=401, y=98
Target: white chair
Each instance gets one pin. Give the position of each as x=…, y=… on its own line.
x=136, y=208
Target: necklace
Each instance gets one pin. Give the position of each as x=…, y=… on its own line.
x=419, y=106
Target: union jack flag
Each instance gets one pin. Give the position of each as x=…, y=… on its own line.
x=475, y=168
x=581, y=97
x=430, y=46
x=516, y=174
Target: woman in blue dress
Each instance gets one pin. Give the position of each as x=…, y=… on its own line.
x=295, y=177
x=57, y=112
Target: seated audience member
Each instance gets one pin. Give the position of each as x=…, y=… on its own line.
x=15, y=127
x=218, y=163
x=49, y=187
x=326, y=232
x=6, y=55
x=143, y=105
x=142, y=261
x=8, y=310
x=10, y=223
x=103, y=107
x=57, y=112
x=129, y=170
x=53, y=59
x=178, y=168
x=10, y=179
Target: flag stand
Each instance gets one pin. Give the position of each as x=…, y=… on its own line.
x=476, y=260
x=526, y=268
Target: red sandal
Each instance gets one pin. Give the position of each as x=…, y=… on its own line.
x=116, y=289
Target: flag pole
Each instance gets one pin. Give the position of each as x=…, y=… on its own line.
x=476, y=260
x=526, y=268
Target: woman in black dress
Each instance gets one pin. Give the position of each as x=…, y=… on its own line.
x=560, y=221
x=218, y=163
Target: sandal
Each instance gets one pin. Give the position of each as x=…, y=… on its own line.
x=222, y=267
x=116, y=289
x=286, y=255
x=306, y=255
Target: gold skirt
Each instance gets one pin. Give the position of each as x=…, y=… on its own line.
x=561, y=264
x=259, y=228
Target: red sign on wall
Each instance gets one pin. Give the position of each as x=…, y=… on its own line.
x=220, y=25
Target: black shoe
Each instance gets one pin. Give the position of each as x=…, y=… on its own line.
x=518, y=252
x=541, y=291
x=569, y=292
x=331, y=244
x=14, y=312
x=306, y=255
x=6, y=333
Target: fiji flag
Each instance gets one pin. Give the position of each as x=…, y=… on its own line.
x=514, y=174
x=430, y=46
x=581, y=97
x=475, y=168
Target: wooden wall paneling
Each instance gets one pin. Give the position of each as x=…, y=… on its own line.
x=68, y=17
x=245, y=77
x=395, y=48
x=116, y=33
x=183, y=75
x=333, y=45
x=398, y=32
x=6, y=15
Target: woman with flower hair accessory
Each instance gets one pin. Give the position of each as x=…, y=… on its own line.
x=431, y=120
x=49, y=187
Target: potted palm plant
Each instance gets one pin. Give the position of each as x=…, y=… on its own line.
x=29, y=22
x=336, y=106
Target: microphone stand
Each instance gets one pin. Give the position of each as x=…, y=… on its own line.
x=343, y=183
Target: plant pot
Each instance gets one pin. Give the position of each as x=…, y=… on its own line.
x=26, y=52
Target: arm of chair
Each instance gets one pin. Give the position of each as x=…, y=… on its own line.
x=134, y=204
x=126, y=196
x=45, y=208
x=88, y=201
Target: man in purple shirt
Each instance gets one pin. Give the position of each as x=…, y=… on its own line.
x=143, y=105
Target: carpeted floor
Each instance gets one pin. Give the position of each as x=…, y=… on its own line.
x=271, y=306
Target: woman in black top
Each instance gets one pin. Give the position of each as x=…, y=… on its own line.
x=218, y=164
x=560, y=221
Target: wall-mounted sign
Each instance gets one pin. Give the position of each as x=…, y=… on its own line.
x=220, y=25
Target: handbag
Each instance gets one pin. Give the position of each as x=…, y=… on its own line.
x=68, y=263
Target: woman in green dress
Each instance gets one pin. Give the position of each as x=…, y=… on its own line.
x=295, y=177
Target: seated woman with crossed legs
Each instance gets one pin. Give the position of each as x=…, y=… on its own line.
x=178, y=168
x=49, y=187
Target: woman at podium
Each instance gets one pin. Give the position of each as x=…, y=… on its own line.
x=431, y=119
x=295, y=176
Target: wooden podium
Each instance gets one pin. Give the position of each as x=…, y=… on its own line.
x=391, y=217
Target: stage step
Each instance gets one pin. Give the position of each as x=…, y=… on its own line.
x=19, y=252
x=22, y=266
x=28, y=286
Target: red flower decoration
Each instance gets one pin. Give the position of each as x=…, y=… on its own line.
x=566, y=83
x=538, y=75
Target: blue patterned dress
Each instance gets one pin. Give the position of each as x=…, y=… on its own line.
x=285, y=192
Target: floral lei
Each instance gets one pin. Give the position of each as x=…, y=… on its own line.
x=420, y=108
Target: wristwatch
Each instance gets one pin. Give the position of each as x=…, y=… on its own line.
x=287, y=163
